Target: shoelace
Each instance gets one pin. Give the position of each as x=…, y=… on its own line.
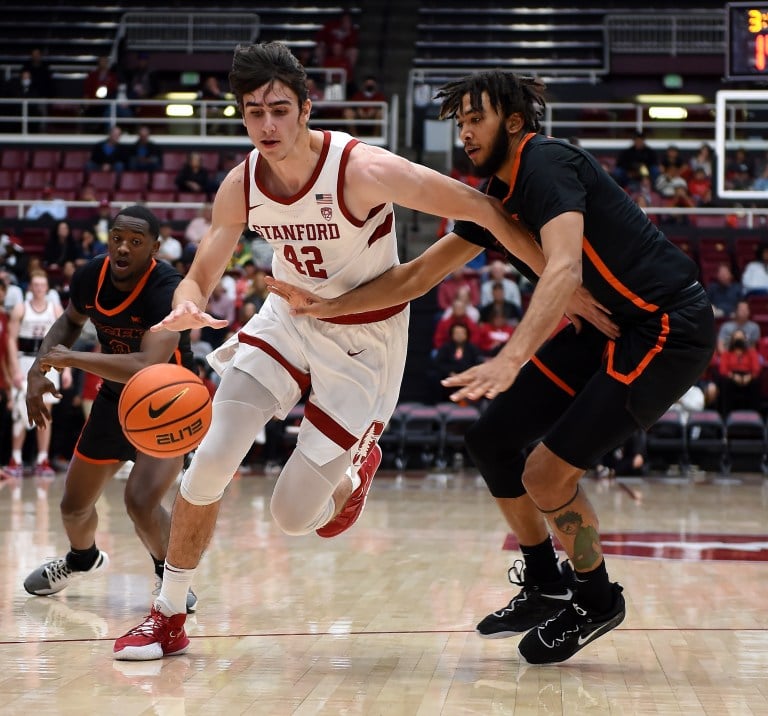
x=58, y=571
x=148, y=627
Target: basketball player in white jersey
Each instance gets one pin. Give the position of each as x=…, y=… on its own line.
x=28, y=323
x=324, y=201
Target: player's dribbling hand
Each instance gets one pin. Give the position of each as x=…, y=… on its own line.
x=485, y=380
x=584, y=305
x=302, y=302
x=187, y=315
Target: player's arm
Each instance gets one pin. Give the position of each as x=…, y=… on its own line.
x=561, y=240
x=119, y=367
x=399, y=284
x=211, y=258
x=377, y=175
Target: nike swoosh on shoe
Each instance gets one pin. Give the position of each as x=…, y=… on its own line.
x=566, y=597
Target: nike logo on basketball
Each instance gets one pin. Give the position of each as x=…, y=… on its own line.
x=352, y=354
x=155, y=413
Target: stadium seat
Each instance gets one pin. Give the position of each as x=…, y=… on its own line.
x=666, y=441
x=9, y=179
x=706, y=440
x=392, y=440
x=45, y=159
x=14, y=159
x=68, y=179
x=423, y=431
x=103, y=182
x=163, y=181
x=35, y=178
x=456, y=421
x=746, y=436
x=136, y=182
x=75, y=159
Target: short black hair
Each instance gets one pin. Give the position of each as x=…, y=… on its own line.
x=137, y=211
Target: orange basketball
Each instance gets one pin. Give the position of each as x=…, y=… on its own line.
x=165, y=410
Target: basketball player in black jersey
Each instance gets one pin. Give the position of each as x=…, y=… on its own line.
x=123, y=294
x=581, y=393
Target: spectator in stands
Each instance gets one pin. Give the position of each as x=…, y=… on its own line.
x=495, y=331
x=197, y=228
x=632, y=160
x=724, y=292
x=62, y=247
x=40, y=73
x=222, y=306
x=740, y=168
x=741, y=322
x=144, y=155
x=459, y=314
x=754, y=278
x=703, y=159
x=108, y=154
x=761, y=183
x=450, y=285
x=669, y=180
x=100, y=84
x=212, y=91
x=140, y=80
x=193, y=176
x=337, y=58
x=90, y=247
x=627, y=460
x=255, y=292
x=497, y=273
x=739, y=368
x=464, y=295
x=22, y=88
x=47, y=206
x=241, y=254
x=645, y=194
x=672, y=156
x=170, y=249
x=369, y=92
x=85, y=214
x=103, y=221
x=499, y=304
x=343, y=31
x=700, y=187
x=458, y=353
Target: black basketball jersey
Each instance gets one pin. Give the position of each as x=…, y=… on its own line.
x=122, y=318
x=627, y=263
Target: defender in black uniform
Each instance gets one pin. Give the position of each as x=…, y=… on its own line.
x=123, y=294
x=581, y=393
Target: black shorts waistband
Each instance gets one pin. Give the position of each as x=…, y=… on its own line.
x=687, y=296
x=30, y=345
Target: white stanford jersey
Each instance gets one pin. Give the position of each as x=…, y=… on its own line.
x=34, y=325
x=317, y=243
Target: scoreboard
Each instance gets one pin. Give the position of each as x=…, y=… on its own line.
x=747, y=41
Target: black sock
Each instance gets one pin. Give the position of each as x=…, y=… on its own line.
x=159, y=566
x=593, y=589
x=541, y=562
x=81, y=560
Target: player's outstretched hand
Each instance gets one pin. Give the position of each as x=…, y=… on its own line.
x=584, y=305
x=187, y=315
x=302, y=302
x=485, y=380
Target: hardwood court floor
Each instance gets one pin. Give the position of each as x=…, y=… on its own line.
x=380, y=621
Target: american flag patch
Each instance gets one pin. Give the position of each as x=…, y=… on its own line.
x=324, y=198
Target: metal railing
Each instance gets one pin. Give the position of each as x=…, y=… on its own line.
x=188, y=32
x=51, y=121
x=669, y=34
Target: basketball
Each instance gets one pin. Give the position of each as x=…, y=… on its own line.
x=165, y=410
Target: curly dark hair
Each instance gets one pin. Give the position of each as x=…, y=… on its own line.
x=262, y=64
x=508, y=93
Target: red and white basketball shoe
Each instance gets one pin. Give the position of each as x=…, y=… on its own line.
x=354, y=505
x=157, y=636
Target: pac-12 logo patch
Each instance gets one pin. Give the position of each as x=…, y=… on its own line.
x=327, y=212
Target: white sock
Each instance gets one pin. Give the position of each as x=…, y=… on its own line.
x=16, y=455
x=42, y=456
x=173, y=594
